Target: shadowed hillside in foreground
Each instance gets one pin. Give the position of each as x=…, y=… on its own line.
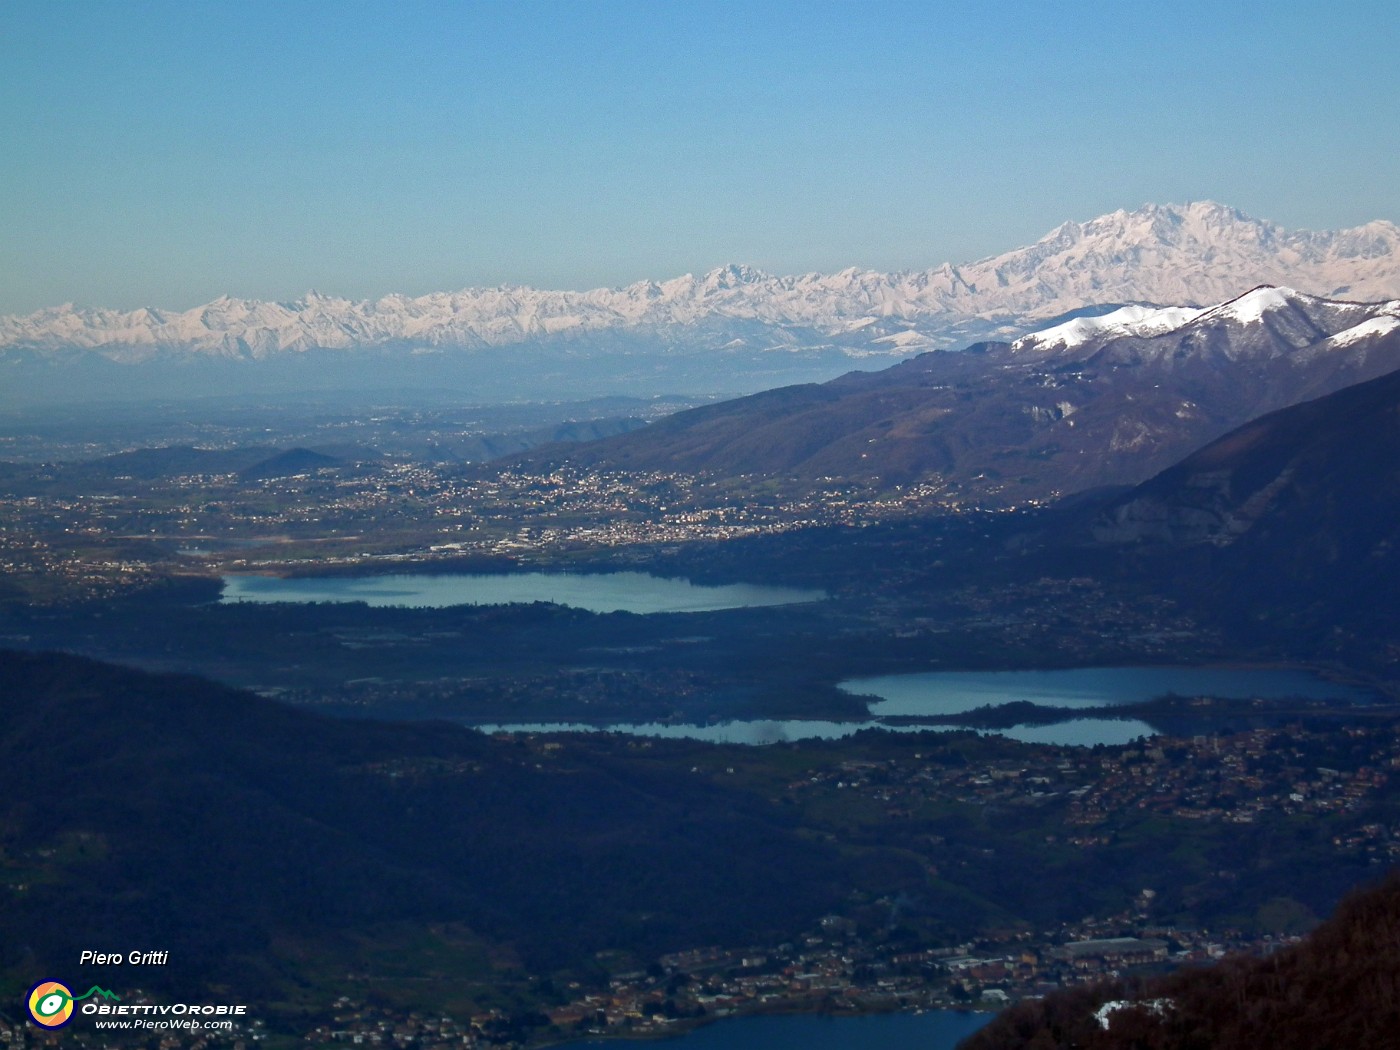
x=1339, y=988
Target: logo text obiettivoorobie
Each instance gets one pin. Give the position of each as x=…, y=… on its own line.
x=52, y=1005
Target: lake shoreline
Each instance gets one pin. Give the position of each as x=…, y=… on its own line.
x=633, y=592
x=689, y=1026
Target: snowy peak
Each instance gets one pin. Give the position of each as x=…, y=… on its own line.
x=1266, y=322
x=733, y=276
x=1251, y=307
x=1126, y=320
x=1367, y=330
x=1374, y=240
x=1199, y=252
x=1187, y=254
x=1286, y=314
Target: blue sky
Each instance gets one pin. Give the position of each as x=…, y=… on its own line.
x=163, y=154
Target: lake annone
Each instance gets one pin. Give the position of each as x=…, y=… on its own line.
x=603, y=592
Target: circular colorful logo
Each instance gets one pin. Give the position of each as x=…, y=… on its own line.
x=50, y=1004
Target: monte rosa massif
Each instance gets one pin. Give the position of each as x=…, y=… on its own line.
x=729, y=321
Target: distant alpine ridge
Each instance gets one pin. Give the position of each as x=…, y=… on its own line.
x=1194, y=253
x=733, y=330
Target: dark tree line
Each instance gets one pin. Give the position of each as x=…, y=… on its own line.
x=1339, y=988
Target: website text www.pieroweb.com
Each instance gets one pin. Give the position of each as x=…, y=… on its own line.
x=52, y=1004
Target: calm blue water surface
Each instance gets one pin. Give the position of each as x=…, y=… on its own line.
x=935, y=1030
x=955, y=692
x=635, y=592
x=1083, y=732
x=908, y=696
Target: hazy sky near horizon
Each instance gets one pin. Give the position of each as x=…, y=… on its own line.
x=162, y=154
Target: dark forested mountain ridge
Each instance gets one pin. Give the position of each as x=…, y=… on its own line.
x=1092, y=402
x=1291, y=519
x=1338, y=988
x=224, y=825
x=1327, y=468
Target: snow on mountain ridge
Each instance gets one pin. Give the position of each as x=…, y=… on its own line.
x=1194, y=253
x=1371, y=328
x=1264, y=323
x=1255, y=303
x=1126, y=320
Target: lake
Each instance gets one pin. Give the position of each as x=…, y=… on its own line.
x=634, y=592
x=1082, y=732
x=910, y=696
x=955, y=692
x=934, y=1030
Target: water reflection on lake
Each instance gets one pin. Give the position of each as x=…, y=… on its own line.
x=934, y=1030
x=756, y=731
x=957, y=692
x=602, y=592
x=1079, y=732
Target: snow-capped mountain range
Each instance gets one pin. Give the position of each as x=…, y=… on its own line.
x=1178, y=254
x=1266, y=321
